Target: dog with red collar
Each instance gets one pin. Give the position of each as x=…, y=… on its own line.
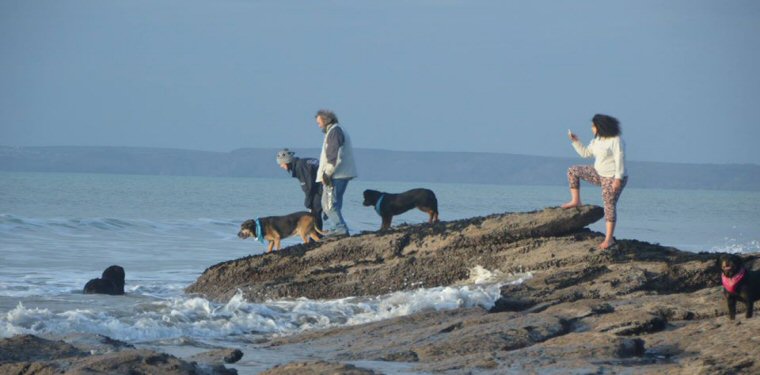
x=739, y=284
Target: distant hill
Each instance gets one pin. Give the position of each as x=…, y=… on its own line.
x=374, y=165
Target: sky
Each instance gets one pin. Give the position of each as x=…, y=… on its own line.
x=414, y=75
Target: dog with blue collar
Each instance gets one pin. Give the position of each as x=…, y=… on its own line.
x=388, y=205
x=275, y=228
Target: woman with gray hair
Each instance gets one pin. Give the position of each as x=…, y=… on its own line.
x=305, y=170
x=336, y=168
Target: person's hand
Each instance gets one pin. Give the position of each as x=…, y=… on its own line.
x=617, y=185
x=572, y=136
x=326, y=179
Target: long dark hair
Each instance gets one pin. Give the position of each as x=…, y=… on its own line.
x=606, y=126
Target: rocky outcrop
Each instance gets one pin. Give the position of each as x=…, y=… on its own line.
x=317, y=368
x=639, y=307
x=403, y=258
x=28, y=354
x=635, y=335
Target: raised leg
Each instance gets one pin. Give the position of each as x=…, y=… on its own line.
x=575, y=174
x=575, y=198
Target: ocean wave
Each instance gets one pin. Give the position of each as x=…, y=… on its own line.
x=11, y=224
x=198, y=319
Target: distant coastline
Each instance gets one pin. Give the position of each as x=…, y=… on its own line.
x=374, y=165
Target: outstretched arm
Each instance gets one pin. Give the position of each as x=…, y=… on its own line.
x=582, y=150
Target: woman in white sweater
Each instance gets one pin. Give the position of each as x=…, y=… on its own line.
x=608, y=170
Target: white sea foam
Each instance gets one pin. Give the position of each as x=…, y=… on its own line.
x=735, y=246
x=144, y=319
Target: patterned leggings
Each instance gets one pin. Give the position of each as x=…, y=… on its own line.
x=588, y=173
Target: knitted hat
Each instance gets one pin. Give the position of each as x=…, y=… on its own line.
x=285, y=156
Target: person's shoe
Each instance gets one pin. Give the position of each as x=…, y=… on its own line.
x=334, y=235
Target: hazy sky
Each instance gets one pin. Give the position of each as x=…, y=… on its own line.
x=483, y=76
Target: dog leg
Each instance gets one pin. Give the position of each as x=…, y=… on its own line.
x=386, y=222
x=314, y=237
x=432, y=214
x=277, y=243
x=427, y=211
x=731, y=307
x=750, y=306
x=271, y=244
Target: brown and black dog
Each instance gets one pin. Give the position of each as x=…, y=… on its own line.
x=739, y=284
x=388, y=205
x=275, y=228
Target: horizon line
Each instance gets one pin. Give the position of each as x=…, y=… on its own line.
x=371, y=149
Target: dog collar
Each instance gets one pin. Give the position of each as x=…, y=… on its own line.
x=379, y=202
x=730, y=282
x=259, y=233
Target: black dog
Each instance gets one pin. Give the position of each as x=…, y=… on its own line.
x=275, y=228
x=388, y=205
x=739, y=283
x=111, y=282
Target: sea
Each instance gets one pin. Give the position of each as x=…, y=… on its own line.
x=58, y=230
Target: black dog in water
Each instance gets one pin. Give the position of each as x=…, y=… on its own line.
x=111, y=282
x=739, y=284
x=388, y=205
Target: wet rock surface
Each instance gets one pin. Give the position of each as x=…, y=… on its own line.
x=318, y=368
x=403, y=258
x=94, y=354
x=636, y=308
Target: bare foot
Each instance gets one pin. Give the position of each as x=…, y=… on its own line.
x=571, y=204
x=606, y=245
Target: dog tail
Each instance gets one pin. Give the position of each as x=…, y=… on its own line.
x=319, y=231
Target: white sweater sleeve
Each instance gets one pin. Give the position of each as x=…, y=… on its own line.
x=618, y=153
x=583, y=151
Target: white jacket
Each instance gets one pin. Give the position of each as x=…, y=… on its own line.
x=345, y=167
x=609, y=153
